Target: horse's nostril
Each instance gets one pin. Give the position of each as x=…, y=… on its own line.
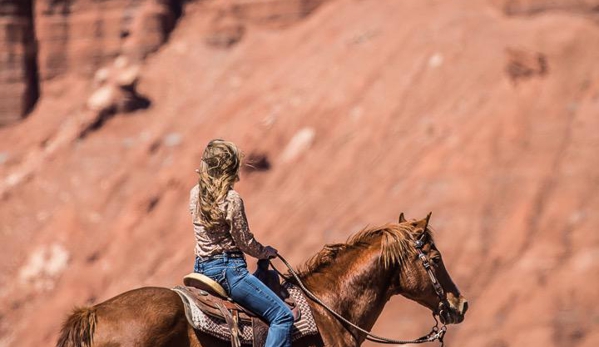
x=465, y=307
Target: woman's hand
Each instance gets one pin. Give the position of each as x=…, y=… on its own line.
x=271, y=252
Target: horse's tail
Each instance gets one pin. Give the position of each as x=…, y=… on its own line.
x=78, y=329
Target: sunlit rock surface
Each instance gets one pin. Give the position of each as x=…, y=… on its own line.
x=360, y=110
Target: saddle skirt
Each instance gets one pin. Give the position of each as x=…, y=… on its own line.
x=213, y=315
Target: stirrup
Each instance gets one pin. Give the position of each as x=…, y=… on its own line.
x=205, y=283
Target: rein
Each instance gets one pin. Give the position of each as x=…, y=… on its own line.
x=436, y=333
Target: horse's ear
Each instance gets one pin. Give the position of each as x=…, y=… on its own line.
x=421, y=225
x=428, y=218
x=402, y=218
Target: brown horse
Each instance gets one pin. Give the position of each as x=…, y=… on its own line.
x=355, y=279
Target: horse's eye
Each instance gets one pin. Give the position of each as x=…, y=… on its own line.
x=436, y=261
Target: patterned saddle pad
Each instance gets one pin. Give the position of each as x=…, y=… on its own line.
x=217, y=326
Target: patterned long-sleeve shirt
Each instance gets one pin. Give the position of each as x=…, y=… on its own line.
x=233, y=236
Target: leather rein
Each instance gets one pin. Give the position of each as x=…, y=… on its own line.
x=436, y=333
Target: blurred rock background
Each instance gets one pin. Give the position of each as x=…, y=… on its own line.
x=485, y=112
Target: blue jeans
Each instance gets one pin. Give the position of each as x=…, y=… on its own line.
x=251, y=293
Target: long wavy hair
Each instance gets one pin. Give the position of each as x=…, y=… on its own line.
x=219, y=170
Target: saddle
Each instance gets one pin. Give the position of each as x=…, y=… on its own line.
x=212, y=300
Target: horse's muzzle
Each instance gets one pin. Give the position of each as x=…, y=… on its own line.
x=452, y=312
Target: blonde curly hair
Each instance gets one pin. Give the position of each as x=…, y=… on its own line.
x=218, y=172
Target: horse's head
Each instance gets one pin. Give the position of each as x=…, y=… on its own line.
x=423, y=276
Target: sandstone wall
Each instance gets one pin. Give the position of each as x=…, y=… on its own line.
x=18, y=81
x=366, y=109
x=586, y=8
x=45, y=39
x=80, y=36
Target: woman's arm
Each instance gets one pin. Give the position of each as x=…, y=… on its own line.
x=240, y=231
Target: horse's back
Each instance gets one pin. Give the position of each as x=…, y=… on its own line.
x=148, y=316
x=142, y=302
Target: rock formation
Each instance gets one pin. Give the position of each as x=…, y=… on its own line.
x=350, y=114
x=18, y=67
x=46, y=39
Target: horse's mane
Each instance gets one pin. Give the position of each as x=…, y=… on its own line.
x=396, y=243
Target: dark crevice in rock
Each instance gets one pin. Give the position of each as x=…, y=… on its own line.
x=92, y=258
x=128, y=101
x=523, y=65
x=102, y=117
x=170, y=22
x=256, y=162
x=309, y=6
x=516, y=8
x=154, y=147
x=32, y=93
x=133, y=100
x=176, y=7
x=152, y=204
x=19, y=82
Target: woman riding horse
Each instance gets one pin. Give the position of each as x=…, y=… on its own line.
x=353, y=279
x=223, y=236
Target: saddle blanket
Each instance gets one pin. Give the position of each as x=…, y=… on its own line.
x=216, y=327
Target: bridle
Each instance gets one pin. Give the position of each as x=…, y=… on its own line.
x=437, y=332
x=419, y=244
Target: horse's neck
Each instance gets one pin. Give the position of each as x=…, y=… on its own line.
x=355, y=286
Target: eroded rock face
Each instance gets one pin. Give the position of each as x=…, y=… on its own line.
x=229, y=19
x=45, y=39
x=115, y=92
x=534, y=7
x=523, y=65
x=364, y=110
x=82, y=35
x=18, y=70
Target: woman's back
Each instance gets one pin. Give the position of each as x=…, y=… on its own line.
x=231, y=235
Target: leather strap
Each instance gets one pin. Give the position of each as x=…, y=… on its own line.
x=232, y=323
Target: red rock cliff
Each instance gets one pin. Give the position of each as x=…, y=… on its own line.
x=359, y=110
x=18, y=67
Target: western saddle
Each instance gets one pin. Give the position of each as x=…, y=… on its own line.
x=213, y=300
